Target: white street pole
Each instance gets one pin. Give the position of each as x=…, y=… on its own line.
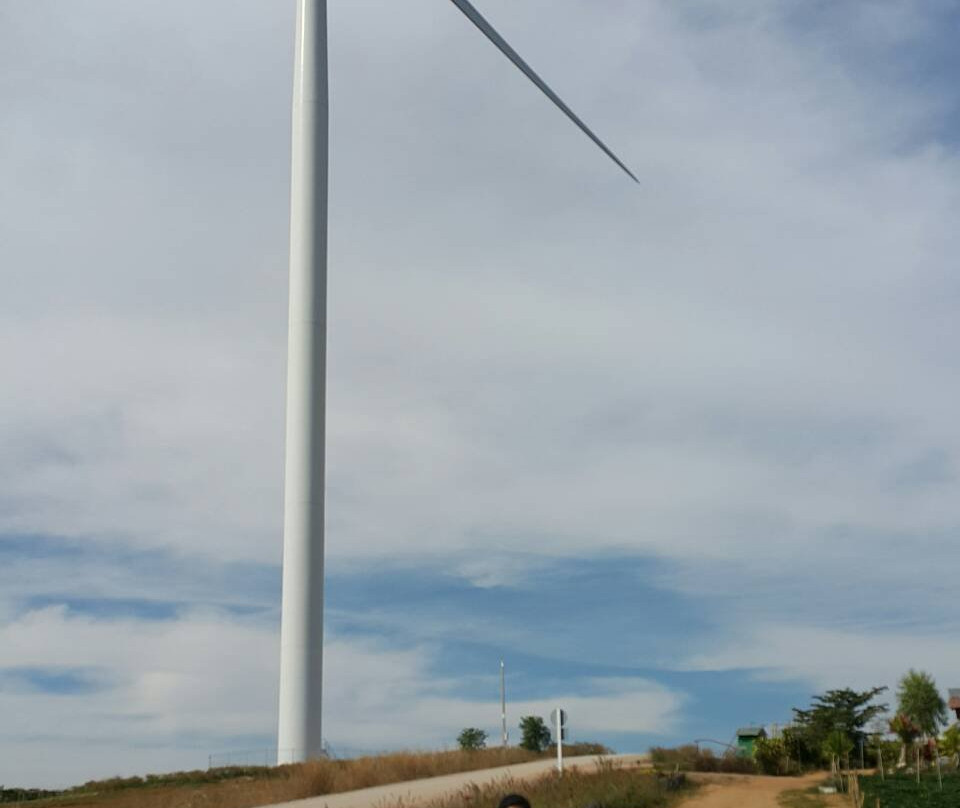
x=301, y=640
x=559, y=715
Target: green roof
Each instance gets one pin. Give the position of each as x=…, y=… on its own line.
x=751, y=732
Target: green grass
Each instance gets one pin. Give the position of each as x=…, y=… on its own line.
x=802, y=798
x=903, y=791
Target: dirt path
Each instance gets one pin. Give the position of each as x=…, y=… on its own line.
x=745, y=791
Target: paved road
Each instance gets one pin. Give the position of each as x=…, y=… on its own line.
x=418, y=791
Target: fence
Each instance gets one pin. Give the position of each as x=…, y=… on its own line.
x=259, y=757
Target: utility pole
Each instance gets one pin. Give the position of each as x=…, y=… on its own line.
x=503, y=705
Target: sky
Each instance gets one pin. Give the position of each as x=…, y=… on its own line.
x=682, y=453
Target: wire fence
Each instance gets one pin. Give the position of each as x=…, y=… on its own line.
x=271, y=756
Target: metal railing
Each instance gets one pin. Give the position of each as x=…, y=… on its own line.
x=258, y=757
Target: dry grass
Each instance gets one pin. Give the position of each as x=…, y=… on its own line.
x=611, y=787
x=690, y=758
x=265, y=786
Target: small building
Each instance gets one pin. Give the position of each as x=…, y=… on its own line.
x=747, y=739
x=954, y=702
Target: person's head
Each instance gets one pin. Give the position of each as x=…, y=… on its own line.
x=514, y=801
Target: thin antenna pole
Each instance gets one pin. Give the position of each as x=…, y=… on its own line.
x=503, y=703
x=301, y=634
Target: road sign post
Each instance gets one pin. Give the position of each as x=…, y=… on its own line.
x=559, y=718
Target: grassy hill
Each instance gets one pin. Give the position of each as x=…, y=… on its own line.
x=251, y=786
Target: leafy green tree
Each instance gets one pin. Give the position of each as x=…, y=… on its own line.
x=950, y=741
x=472, y=738
x=801, y=746
x=847, y=710
x=918, y=698
x=838, y=744
x=534, y=734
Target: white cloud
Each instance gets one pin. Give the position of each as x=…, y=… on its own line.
x=371, y=709
x=175, y=691
x=828, y=657
x=574, y=363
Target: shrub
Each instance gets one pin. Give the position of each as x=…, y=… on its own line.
x=691, y=758
x=472, y=738
x=584, y=748
x=535, y=736
x=802, y=747
x=771, y=757
x=889, y=750
x=950, y=742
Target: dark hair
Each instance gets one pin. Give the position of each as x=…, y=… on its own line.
x=514, y=801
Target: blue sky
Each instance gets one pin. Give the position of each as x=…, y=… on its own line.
x=681, y=454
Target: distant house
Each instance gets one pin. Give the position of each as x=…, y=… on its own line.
x=954, y=703
x=747, y=739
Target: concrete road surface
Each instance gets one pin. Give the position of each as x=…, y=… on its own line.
x=415, y=792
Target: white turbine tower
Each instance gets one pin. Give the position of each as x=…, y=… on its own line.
x=301, y=643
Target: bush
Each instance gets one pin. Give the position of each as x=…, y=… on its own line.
x=472, y=738
x=582, y=749
x=535, y=737
x=890, y=752
x=802, y=746
x=687, y=758
x=19, y=795
x=770, y=755
x=691, y=758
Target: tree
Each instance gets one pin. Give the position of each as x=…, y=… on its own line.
x=801, y=746
x=838, y=746
x=472, y=738
x=534, y=733
x=847, y=710
x=950, y=742
x=918, y=698
x=906, y=730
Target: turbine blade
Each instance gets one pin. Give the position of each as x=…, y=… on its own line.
x=490, y=33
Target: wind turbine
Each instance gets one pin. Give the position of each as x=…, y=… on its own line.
x=301, y=641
